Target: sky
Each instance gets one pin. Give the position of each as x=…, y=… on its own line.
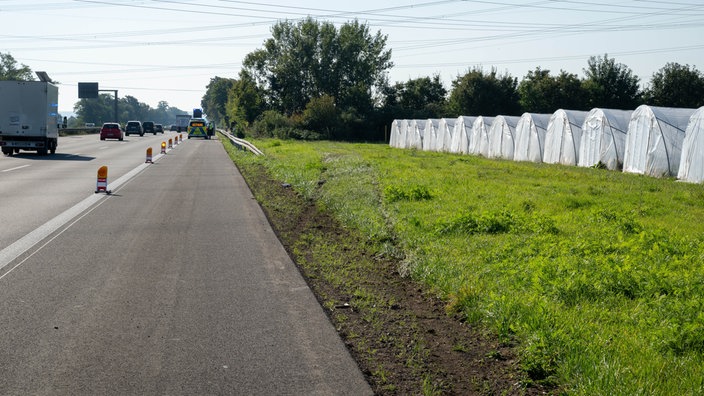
x=168, y=50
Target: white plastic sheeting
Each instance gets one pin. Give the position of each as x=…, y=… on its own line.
x=479, y=143
x=604, y=138
x=692, y=159
x=403, y=127
x=446, y=128
x=462, y=134
x=395, y=134
x=654, y=140
x=416, y=131
x=501, y=137
x=431, y=135
x=564, y=137
x=530, y=137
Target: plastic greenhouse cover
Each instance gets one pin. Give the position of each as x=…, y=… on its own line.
x=564, y=137
x=692, y=160
x=462, y=134
x=501, y=137
x=654, y=140
x=530, y=137
x=604, y=138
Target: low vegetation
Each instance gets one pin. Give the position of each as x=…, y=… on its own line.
x=593, y=277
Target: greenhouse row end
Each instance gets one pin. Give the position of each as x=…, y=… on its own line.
x=653, y=141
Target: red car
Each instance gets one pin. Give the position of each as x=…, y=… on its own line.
x=111, y=130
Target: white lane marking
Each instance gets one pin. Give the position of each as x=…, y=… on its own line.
x=15, y=168
x=25, y=243
x=47, y=242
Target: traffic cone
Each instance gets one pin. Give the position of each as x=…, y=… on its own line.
x=149, y=156
x=163, y=147
x=171, y=143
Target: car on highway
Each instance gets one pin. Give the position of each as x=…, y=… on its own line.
x=111, y=130
x=159, y=128
x=134, y=127
x=148, y=127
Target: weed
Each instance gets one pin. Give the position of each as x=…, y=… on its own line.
x=407, y=193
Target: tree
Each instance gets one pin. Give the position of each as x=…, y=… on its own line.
x=245, y=101
x=311, y=59
x=610, y=84
x=423, y=97
x=130, y=108
x=214, y=101
x=97, y=111
x=322, y=115
x=477, y=93
x=542, y=93
x=10, y=71
x=676, y=86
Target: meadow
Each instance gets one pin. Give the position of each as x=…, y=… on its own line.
x=595, y=277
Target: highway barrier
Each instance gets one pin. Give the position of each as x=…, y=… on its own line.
x=241, y=143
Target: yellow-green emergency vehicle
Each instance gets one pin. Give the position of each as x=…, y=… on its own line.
x=198, y=127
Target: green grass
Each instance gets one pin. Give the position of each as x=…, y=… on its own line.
x=595, y=276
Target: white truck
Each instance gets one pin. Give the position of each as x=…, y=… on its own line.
x=181, y=122
x=29, y=117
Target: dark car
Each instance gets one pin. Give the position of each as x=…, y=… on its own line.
x=134, y=127
x=148, y=127
x=111, y=130
x=159, y=128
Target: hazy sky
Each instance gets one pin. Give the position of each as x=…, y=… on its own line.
x=169, y=50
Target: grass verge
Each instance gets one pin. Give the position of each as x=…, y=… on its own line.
x=592, y=277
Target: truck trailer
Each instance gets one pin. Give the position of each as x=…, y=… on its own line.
x=29, y=117
x=181, y=122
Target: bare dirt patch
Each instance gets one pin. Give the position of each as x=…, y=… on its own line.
x=400, y=335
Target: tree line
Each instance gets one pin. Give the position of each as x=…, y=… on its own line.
x=314, y=80
x=102, y=110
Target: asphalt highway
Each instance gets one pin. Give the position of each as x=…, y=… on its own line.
x=173, y=285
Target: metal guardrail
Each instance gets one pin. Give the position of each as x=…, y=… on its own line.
x=241, y=143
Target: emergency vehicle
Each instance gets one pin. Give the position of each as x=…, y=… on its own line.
x=198, y=127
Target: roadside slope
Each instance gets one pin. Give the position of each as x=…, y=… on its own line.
x=400, y=334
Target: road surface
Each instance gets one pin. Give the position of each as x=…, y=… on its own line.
x=176, y=285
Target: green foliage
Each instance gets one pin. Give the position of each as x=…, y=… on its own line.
x=594, y=276
x=245, y=101
x=611, y=85
x=102, y=110
x=215, y=98
x=322, y=115
x=676, y=85
x=11, y=71
x=418, y=98
x=277, y=125
x=482, y=93
x=310, y=59
x=407, y=193
x=541, y=93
